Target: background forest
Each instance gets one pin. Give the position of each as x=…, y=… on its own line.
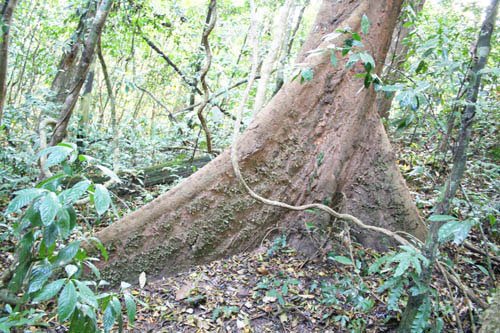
x=150, y=112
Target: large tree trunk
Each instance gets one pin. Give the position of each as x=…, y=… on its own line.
x=313, y=142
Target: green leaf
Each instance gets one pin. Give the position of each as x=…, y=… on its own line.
x=67, y=302
x=70, y=270
x=108, y=318
x=375, y=267
x=66, y=254
x=455, y=230
x=49, y=180
x=109, y=173
x=50, y=235
x=71, y=195
x=72, y=217
x=333, y=59
x=94, y=269
x=131, y=307
x=23, y=197
x=33, y=215
x=63, y=223
x=39, y=275
x=306, y=74
x=49, y=291
x=86, y=294
x=117, y=307
x=404, y=263
x=392, y=88
x=441, y=218
x=367, y=59
x=49, y=207
x=98, y=244
x=90, y=313
x=19, y=274
x=394, y=295
x=365, y=24
x=353, y=59
x=24, y=251
x=56, y=154
x=342, y=260
x=102, y=200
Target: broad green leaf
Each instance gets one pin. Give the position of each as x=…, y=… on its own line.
x=23, y=197
x=49, y=207
x=24, y=251
x=441, y=218
x=67, y=302
x=56, y=154
x=49, y=291
x=131, y=307
x=17, y=279
x=50, y=235
x=94, y=269
x=39, y=275
x=117, y=307
x=342, y=260
x=71, y=195
x=70, y=270
x=50, y=180
x=63, y=223
x=394, y=295
x=66, y=254
x=455, y=230
x=365, y=24
x=102, y=200
x=33, y=215
x=333, y=59
x=98, y=244
x=124, y=285
x=86, y=294
x=353, y=59
x=307, y=74
x=392, y=88
x=90, y=312
x=108, y=318
x=109, y=173
x=367, y=59
x=72, y=217
x=404, y=263
x=484, y=270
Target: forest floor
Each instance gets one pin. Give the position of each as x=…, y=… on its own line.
x=275, y=288
x=285, y=292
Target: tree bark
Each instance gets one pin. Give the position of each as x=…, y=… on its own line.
x=490, y=319
x=8, y=7
x=279, y=29
x=77, y=77
x=313, y=142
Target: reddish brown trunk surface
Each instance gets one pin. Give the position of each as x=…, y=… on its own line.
x=313, y=142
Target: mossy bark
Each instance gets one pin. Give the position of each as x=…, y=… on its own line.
x=312, y=142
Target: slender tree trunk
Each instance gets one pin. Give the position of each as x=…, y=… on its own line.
x=459, y=162
x=313, y=142
x=279, y=29
x=286, y=48
x=114, y=125
x=80, y=73
x=8, y=7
